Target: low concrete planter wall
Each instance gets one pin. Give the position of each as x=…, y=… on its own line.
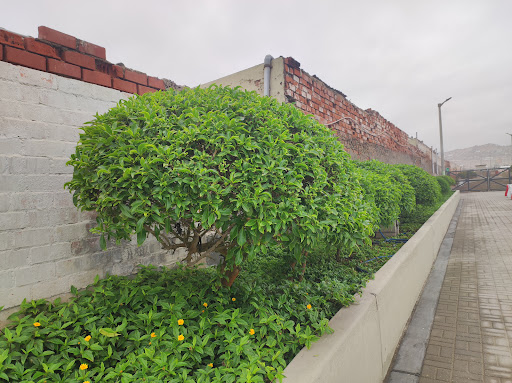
x=367, y=333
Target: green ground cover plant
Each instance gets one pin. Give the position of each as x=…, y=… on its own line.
x=172, y=326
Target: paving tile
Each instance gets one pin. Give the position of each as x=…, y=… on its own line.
x=471, y=337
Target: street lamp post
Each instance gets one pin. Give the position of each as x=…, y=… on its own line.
x=510, y=134
x=441, y=134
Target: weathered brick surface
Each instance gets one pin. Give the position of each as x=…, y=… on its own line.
x=32, y=45
x=141, y=89
x=64, y=69
x=45, y=243
x=364, y=133
x=124, y=86
x=156, y=82
x=22, y=57
x=98, y=78
x=65, y=55
x=57, y=37
x=139, y=78
x=92, y=49
x=12, y=39
x=79, y=59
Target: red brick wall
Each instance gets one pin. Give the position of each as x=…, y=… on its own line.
x=65, y=55
x=365, y=133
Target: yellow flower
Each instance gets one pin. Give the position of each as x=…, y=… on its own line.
x=309, y=307
x=205, y=304
x=180, y=322
x=84, y=366
x=202, y=311
x=210, y=364
x=233, y=299
x=150, y=343
x=87, y=338
x=180, y=337
x=153, y=335
x=251, y=331
x=87, y=381
x=37, y=324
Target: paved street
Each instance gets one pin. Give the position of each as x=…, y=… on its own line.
x=471, y=337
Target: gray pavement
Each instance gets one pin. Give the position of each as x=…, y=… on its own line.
x=471, y=332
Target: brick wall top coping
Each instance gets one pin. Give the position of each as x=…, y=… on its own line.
x=65, y=55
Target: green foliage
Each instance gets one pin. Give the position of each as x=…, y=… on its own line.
x=444, y=184
x=393, y=177
x=449, y=179
x=173, y=326
x=412, y=222
x=222, y=170
x=382, y=194
x=128, y=330
x=426, y=188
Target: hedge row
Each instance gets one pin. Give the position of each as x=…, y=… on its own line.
x=227, y=171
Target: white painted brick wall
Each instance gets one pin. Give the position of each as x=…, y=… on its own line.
x=45, y=243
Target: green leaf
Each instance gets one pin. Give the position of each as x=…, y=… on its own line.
x=108, y=332
x=103, y=242
x=241, y=239
x=141, y=237
x=140, y=224
x=88, y=355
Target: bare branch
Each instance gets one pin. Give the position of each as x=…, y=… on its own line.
x=220, y=240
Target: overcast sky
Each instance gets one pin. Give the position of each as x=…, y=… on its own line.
x=399, y=57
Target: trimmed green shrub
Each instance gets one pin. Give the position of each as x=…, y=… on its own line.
x=407, y=199
x=382, y=195
x=444, y=184
x=426, y=188
x=449, y=179
x=220, y=169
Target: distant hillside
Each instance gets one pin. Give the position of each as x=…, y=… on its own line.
x=490, y=155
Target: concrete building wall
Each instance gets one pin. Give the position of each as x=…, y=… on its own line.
x=251, y=79
x=45, y=243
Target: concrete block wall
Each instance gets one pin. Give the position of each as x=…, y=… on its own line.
x=365, y=133
x=45, y=243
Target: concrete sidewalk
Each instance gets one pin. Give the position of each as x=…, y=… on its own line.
x=471, y=337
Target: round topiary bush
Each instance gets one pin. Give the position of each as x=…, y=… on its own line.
x=426, y=188
x=217, y=170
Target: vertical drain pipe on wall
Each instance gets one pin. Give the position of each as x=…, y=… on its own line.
x=266, y=74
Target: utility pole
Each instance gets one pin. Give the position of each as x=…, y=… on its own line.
x=441, y=134
x=510, y=134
